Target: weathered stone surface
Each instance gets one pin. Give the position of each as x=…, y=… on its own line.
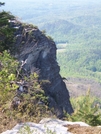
x=39, y=52
x=45, y=126
x=54, y=126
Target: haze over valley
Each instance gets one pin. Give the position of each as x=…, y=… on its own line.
x=50, y=64
x=75, y=26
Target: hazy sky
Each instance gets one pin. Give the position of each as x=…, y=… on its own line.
x=50, y=1
x=12, y=5
x=30, y=8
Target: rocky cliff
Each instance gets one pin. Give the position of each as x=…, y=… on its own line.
x=38, y=52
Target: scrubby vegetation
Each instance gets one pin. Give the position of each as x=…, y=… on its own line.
x=17, y=106
x=6, y=32
x=7, y=74
x=32, y=104
x=26, y=130
x=86, y=109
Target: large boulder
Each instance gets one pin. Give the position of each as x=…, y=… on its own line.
x=45, y=126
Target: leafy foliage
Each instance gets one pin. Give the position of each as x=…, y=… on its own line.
x=86, y=110
x=26, y=130
x=32, y=105
x=6, y=32
x=7, y=74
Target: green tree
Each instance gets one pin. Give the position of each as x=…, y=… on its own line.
x=6, y=32
x=7, y=74
x=86, y=110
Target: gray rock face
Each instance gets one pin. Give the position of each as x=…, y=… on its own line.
x=39, y=52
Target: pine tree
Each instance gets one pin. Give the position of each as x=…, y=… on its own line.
x=86, y=111
x=6, y=32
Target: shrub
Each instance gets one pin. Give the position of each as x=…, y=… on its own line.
x=33, y=103
x=50, y=38
x=6, y=32
x=44, y=32
x=7, y=75
x=85, y=110
x=26, y=130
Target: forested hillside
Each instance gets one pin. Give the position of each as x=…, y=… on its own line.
x=75, y=23
x=76, y=29
x=80, y=61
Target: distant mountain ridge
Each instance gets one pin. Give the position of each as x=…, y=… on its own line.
x=62, y=25
x=60, y=29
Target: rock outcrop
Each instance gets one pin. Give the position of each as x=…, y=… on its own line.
x=54, y=126
x=39, y=54
x=47, y=125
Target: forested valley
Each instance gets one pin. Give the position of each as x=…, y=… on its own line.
x=75, y=26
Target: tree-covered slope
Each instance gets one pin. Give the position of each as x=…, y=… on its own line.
x=82, y=29
x=74, y=22
x=80, y=61
x=61, y=30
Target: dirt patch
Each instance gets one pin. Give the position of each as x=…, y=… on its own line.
x=77, y=129
x=80, y=86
